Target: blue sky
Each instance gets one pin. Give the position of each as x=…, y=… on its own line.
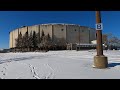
x=10, y=20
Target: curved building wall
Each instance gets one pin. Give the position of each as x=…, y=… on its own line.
x=23, y=30
x=47, y=29
x=10, y=40
x=84, y=35
x=15, y=36
x=73, y=34
x=59, y=32
x=69, y=32
x=92, y=34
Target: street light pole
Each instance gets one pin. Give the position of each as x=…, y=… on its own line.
x=100, y=61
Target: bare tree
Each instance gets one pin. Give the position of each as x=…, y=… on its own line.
x=112, y=41
x=105, y=38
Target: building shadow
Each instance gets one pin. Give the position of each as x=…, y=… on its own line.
x=113, y=64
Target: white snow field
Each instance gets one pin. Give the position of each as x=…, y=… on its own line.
x=57, y=65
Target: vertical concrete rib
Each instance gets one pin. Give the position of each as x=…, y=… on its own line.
x=52, y=33
x=79, y=34
x=12, y=39
x=89, y=34
x=66, y=33
x=39, y=32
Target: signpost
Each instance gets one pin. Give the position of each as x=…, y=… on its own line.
x=100, y=61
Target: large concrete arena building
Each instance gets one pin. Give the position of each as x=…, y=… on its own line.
x=71, y=33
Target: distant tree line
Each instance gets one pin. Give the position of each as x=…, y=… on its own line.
x=111, y=41
x=33, y=42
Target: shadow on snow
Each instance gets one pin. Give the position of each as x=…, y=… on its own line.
x=113, y=64
x=23, y=58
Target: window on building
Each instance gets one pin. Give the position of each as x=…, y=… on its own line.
x=75, y=29
x=82, y=30
x=62, y=29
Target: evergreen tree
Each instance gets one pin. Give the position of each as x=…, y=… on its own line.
x=19, y=41
x=48, y=41
x=26, y=39
x=25, y=43
x=42, y=36
x=43, y=33
x=30, y=42
x=34, y=40
x=38, y=38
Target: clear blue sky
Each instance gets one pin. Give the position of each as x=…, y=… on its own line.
x=10, y=20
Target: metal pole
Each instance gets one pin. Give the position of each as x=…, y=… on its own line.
x=99, y=35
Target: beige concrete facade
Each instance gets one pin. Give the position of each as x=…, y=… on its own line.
x=46, y=29
x=71, y=33
x=84, y=35
x=10, y=40
x=15, y=36
x=59, y=32
x=92, y=34
x=33, y=28
x=23, y=30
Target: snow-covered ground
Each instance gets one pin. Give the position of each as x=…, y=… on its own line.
x=57, y=65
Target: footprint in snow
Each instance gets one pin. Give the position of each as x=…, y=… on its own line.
x=4, y=68
x=1, y=71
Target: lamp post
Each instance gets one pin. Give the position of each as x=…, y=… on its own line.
x=100, y=61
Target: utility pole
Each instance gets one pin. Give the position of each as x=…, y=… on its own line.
x=100, y=61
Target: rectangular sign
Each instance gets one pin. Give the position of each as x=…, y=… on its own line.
x=99, y=26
